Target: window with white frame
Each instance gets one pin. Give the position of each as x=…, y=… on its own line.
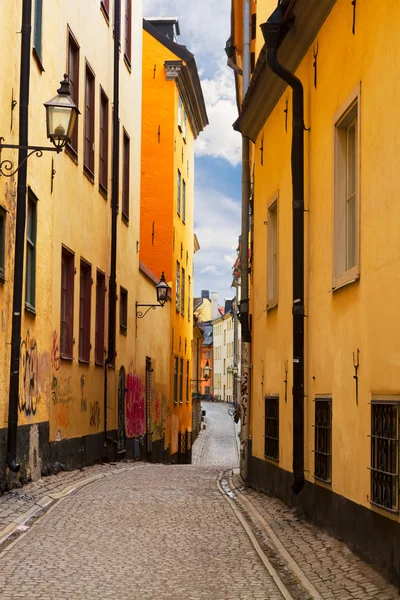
x=178, y=287
x=272, y=253
x=346, y=192
x=180, y=113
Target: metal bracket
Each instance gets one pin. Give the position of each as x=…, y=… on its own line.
x=315, y=65
x=354, y=5
x=286, y=111
x=7, y=165
x=356, y=364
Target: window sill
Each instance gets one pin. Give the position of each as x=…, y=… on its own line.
x=88, y=173
x=103, y=191
x=127, y=63
x=392, y=511
x=347, y=278
x=125, y=218
x=323, y=482
x=83, y=361
x=37, y=60
x=2, y=280
x=72, y=153
x=272, y=304
x=98, y=363
x=123, y=330
x=66, y=357
x=270, y=459
x=30, y=309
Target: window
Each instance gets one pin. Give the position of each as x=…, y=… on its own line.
x=183, y=201
x=2, y=241
x=187, y=382
x=272, y=254
x=103, y=146
x=183, y=292
x=189, y=296
x=207, y=354
x=37, y=33
x=105, y=5
x=125, y=177
x=184, y=125
x=253, y=26
x=176, y=368
x=346, y=193
x=180, y=380
x=178, y=193
x=128, y=31
x=323, y=439
x=178, y=287
x=31, y=226
x=100, y=314
x=73, y=75
x=84, y=311
x=123, y=310
x=67, y=303
x=89, y=122
x=252, y=61
x=385, y=454
x=271, y=449
x=180, y=113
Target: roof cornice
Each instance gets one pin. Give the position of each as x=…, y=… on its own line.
x=266, y=88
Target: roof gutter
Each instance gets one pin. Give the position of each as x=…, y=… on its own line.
x=274, y=31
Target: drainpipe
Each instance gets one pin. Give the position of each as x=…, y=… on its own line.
x=112, y=298
x=274, y=30
x=12, y=433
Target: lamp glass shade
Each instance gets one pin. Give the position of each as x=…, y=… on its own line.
x=61, y=114
x=162, y=289
x=207, y=370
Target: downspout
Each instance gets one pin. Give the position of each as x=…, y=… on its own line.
x=274, y=30
x=112, y=298
x=12, y=432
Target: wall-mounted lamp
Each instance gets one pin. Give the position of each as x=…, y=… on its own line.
x=61, y=114
x=207, y=373
x=162, y=289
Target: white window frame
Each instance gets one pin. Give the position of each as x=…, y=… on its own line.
x=180, y=113
x=273, y=251
x=344, y=118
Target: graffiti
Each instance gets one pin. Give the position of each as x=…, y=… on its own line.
x=61, y=390
x=55, y=353
x=94, y=414
x=83, y=397
x=244, y=397
x=62, y=416
x=29, y=394
x=135, y=406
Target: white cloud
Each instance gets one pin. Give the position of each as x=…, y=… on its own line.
x=219, y=139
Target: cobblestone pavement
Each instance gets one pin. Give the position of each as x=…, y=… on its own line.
x=158, y=531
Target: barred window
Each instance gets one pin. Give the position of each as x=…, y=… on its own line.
x=323, y=439
x=272, y=427
x=385, y=455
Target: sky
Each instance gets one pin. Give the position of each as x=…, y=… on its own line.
x=205, y=27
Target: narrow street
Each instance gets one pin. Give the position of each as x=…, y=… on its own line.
x=178, y=531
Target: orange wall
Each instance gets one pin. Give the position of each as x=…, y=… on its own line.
x=157, y=183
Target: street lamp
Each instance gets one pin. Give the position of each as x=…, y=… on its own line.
x=61, y=114
x=162, y=289
x=207, y=373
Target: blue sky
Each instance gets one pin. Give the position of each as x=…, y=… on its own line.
x=205, y=27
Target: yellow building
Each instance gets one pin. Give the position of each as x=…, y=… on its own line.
x=72, y=408
x=173, y=115
x=344, y=444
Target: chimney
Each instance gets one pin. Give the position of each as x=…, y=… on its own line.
x=168, y=26
x=228, y=306
x=214, y=306
x=205, y=294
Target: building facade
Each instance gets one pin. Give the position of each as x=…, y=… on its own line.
x=224, y=357
x=344, y=443
x=173, y=115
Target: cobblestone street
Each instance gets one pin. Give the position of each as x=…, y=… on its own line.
x=139, y=530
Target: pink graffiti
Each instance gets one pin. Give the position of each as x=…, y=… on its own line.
x=157, y=409
x=135, y=410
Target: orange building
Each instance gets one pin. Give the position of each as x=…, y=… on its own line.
x=173, y=114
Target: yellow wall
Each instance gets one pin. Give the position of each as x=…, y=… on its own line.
x=363, y=314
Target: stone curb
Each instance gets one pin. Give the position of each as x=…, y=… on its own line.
x=19, y=524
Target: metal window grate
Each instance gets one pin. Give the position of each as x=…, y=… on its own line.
x=323, y=440
x=385, y=455
x=272, y=427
